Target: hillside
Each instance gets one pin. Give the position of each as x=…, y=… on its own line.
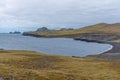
x=103, y=28
x=27, y=65
x=112, y=31
x=102, y=32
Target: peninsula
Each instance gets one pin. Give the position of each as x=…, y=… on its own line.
x=102, y=33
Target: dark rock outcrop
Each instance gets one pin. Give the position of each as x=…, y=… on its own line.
x=97, y=37
x=43, y=29
x=31, y=34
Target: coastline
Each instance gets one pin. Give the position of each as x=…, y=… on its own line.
x=115, y=49
x=115, y=46
x=112, y=54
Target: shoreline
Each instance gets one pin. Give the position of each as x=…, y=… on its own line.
x=112, y=54
x=115, y=49
x=109, y=52
x=115, y=46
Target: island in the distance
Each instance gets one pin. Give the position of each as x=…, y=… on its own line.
x=15, y=32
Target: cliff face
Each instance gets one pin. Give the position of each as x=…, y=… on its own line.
x=97, y=37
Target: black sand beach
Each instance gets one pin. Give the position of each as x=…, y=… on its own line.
x=111, y=55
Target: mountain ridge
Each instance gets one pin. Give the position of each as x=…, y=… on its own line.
x=104, y=28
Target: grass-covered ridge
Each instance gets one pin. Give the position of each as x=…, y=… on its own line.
x=104, y=28
x=27, y=65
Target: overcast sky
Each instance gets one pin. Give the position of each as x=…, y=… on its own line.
x=28, y=15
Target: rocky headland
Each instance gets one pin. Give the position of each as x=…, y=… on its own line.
x=100, y=33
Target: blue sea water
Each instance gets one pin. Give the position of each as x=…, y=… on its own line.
x=58, y=46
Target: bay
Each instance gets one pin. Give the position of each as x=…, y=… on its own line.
x=57, y=46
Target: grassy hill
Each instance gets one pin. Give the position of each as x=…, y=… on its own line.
x=27, y=65
x=97, y=28
x=101, y=31
x=103, y=28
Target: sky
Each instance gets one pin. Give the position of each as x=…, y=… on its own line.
x=28, y=15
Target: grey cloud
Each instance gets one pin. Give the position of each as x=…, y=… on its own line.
x=30, y=14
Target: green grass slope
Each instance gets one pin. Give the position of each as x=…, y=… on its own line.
x=97, y=32
x=97, y=28
x=27, y=65
x=103, y=28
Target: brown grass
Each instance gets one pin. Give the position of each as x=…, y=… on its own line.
x=103, y=28
x=27, y=65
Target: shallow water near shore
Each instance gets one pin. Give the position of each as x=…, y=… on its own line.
x=57, y=46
